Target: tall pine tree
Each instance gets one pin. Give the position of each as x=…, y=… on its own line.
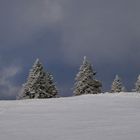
x=39, y=84
x=85, y=80
x=117, y=85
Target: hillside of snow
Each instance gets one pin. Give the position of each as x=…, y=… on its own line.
x=88, y=117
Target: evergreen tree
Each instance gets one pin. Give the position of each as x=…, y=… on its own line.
x=85, y=80
x=137, y=85
x=39, y=84
x=117, y=85
x=47, y=87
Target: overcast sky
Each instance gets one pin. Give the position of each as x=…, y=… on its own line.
x=60, y=33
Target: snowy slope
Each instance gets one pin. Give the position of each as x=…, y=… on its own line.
x=88, y=117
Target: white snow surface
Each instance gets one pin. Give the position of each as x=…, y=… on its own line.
x=88, y=117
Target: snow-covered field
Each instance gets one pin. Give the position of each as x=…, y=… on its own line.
x=87, y=117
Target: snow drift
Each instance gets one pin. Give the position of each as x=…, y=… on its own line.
x=87, y=117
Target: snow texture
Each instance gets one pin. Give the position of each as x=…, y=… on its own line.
x=85, y=80
x=87, y=117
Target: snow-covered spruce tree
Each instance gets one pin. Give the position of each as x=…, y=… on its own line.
x=47, y=87
x=85, y=80
x=137, y=85
x=39, y=84
x=117, y=85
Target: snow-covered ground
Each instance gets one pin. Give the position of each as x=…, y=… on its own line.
x=87, y=117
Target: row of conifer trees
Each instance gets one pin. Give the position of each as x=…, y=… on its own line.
x=40, y=84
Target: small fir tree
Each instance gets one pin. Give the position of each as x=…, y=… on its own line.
x=85, y=80
x=117, y=85
x=137, y=85
x=39, y=84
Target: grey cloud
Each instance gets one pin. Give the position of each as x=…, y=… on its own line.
x=101, y=29
x=86, y=27
x=21, y=20
x=7, y=88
